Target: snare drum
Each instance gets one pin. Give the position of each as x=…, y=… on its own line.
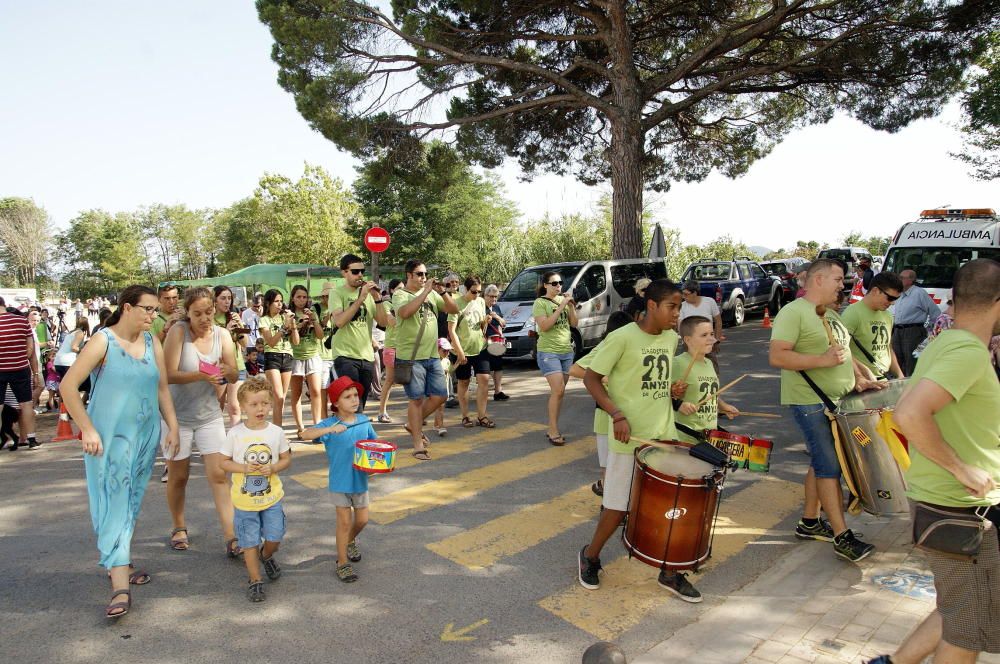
x=733, y=444
x=496, y=345
x=374, y=456
x=672, y=508
x=760, y=455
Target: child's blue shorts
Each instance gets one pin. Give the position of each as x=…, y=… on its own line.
x=253, y=527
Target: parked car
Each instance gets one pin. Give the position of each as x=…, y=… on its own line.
x=784, y=270
x=738, y=286
x=850, y=257
x=599, y=287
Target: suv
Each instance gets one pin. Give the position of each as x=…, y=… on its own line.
x=784, y=270
x=599, y=287
x=737, y=286
x=850, y=257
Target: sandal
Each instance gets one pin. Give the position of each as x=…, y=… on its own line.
x=467, y=422
x=598, y=487
x=486, y=422
x=118, y=609
x=179, y=544
x=422, y=455
x=271, y=567
x=346, y=573
x=233, y=549
x=558, y=441
x=255, y=591
x=137, y=578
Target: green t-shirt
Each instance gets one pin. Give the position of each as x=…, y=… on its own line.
x=308, y=346
x=42, y=332
x=470, y=331
x=602, y=423
x=797, y=323
x=407, y=328
x=241, y=365
x=871, y=329
x=390, y=330
x=958, y=362
x=158, y=324
x=702, y=382
x=324, y=352
x=354, y=339
x=638, y=367
x=557, y=339
x=272, y=324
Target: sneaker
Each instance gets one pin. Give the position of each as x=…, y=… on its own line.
x=677, y=583
x=353, y=552
x=590, y=568
x=33, y=444
x=442, y=432
x=384, y=418
x=163, y=477
x=821, y=531
x=598, y=487
x=451, y=403
x=500, y=396
x=271, y=568
x=346, y=574
x=849, y=547
x=881, y=659
x=255, y=591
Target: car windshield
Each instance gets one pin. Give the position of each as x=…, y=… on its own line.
x=524, y=287
x=775, y=269
x=842, y=255
x=708, y=272
x=935, y=266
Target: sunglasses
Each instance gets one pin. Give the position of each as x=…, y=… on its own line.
x=475, y=292
x=891, y=298
x=356, y=271
x=419, y=274
x=553, y=283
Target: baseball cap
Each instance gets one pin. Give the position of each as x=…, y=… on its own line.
x=343, y=383
x=444, y=344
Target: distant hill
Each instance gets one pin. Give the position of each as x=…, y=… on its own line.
x=760, y=252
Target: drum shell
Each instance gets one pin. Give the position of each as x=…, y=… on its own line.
x=496, y=345
x=374, y=457
x=735, y=445
x=670, y=518
x=877, y=477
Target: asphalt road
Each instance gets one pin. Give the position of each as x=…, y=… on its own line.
x=469, y=557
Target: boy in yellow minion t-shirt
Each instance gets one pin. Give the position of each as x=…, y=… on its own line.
x=700, y=407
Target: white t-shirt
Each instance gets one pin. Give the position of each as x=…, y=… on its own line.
x=251, y=319
x=253, y=493
x=707, y=308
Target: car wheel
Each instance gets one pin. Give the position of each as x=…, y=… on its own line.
x=739, y=312
x=775, y=304
x=577, y=341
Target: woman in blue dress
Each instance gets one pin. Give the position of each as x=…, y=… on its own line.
x=120, y=429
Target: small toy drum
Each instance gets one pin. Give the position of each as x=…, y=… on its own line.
x=496, y=345
x=760, y=455
x=374, y=456
x=733, y=444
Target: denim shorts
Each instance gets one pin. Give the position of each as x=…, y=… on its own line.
x=815, y=426
x=552, y=363
x=252, y=527
x=427, y=380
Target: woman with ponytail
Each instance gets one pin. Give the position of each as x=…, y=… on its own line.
x=226, y=316
x=120, y=430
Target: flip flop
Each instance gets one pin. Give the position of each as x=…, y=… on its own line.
x=558, y=441
x=486, y=422
x=422, y=455
x=179, y=545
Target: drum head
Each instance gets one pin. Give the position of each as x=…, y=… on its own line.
x=886, y=398
x=675, y=462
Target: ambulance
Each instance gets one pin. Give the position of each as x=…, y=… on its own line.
x=941, y=241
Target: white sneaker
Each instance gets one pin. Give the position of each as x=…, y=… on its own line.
x=442, y=432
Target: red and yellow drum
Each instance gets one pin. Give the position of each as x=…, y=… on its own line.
x=733, y=444
x=374, y=456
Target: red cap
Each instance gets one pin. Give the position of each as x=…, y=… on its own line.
x=338, y=386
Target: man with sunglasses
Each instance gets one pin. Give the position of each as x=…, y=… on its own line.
x=354, y=310
x=913, y=313
x=417, y=306
x=870, y=326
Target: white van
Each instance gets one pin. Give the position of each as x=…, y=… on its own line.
x=940, y=242
x=599, y=287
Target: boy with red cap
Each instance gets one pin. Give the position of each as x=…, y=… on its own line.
x=348, y=486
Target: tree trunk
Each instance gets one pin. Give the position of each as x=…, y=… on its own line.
x=627, y=186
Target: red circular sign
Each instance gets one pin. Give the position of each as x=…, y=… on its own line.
x=377, y=240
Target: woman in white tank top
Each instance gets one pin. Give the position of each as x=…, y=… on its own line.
x=199, y=356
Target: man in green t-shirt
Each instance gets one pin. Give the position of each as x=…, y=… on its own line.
x=637, y=361
x=354, y=309
x=951, y=417
x=467, y=332
x=417, y=307
x=870, y=326
x=809, y=338
x=169, y=299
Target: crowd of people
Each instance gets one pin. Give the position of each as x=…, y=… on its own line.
x=174, y=375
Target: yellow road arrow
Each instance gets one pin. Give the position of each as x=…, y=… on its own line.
x=452, y=634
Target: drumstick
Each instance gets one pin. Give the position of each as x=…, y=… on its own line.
x=687, y=372
x=724, y=388
x=768, y=415
x=821, y=312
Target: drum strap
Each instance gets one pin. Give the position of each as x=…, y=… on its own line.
x=868, y=356
x=685, y=429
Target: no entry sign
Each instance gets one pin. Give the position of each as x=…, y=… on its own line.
x=376, y=240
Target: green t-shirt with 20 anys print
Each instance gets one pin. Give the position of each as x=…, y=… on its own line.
x=557, y=338
x=638, y=367
x=872, y=330
x=798, y=324
x=408, y=328
x=703, y=383
x=959, y=362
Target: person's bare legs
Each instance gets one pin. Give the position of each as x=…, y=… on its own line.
x=278, y=385
x=831, y=498
x=177, y=479
x=233, y=404
x=295, y=395
x=220, y=493
x=946, y=653
x=482, y=393
x=811, y=508
x=415, y=421
x=119, y=581
x=316, y=397
x=26, y=421
x=497, y=382
x=345, y=526
x=360, y=521
x=607, y=524
x=557, y=388
x=921, y=642
x=463, y=396
x=390, y=375
x=251, y=558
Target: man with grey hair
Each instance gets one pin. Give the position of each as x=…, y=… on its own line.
x=912, y=313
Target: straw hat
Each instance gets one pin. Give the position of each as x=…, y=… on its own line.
x=640, y=285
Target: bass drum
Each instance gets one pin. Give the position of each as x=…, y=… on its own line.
x=672, y=508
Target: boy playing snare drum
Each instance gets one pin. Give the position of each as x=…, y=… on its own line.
x=700, y=406
x=348, y=486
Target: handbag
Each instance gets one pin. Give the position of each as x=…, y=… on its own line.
x=403, y=369
x=952, y=532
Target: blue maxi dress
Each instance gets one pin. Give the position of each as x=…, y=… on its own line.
x=124, y=408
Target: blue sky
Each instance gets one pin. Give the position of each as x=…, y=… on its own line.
x=114, y=105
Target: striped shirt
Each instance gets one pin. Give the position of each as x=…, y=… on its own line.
x=14, y=333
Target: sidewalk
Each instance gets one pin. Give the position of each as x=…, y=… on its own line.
x=814, y=607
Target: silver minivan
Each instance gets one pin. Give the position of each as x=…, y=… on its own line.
x=599, y=287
